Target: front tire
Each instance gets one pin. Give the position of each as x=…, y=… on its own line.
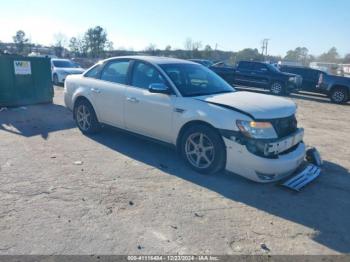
x=203, y=149
x=339, y=95
x=85, y=118
x=277, y=88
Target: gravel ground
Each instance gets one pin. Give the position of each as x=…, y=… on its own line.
x=113, y=193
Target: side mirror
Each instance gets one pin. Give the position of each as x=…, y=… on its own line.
x=159, y=88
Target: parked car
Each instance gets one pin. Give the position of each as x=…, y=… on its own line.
x=185, y=104
x=61, y=68
x=336, y=87
x=204, y=62
x=261, y=75
x=310, y=76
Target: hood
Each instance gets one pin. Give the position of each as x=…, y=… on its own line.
x=257, y=105
x=71, y=70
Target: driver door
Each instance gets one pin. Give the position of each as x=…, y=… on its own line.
x=147, y=113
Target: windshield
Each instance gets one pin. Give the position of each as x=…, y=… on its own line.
x=206, y=63
x=196, y=80
x=65, y=64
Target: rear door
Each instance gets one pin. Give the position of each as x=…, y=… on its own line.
x=108, y=93
x=146, y=113
x=243, y=73
x=260, y=75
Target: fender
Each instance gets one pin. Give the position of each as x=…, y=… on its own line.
x=81, y=92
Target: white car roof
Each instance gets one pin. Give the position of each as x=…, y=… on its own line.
x=154, y=59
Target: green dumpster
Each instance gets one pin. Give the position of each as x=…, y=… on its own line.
x=25, y=80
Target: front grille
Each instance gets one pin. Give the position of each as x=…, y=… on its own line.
x=285, y=126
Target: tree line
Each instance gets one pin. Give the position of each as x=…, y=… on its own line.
x=94, y=43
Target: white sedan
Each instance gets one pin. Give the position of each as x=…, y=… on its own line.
x=61, y=68
x=213, y=126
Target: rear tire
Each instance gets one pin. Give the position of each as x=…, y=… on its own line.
x=339, y=95
x=55, y=80
x=85, y=117
x=277, y=88
x=203, y=149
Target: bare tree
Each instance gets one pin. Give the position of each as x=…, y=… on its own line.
x=60, y=42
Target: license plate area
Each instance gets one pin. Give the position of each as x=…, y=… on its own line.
x=284, y=144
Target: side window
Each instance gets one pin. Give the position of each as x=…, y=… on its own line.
x=245, y=66
x=144, y=75
x=260, y=67
x=94, y=72
x=116, y=72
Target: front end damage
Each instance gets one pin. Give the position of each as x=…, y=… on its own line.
x=269, y=160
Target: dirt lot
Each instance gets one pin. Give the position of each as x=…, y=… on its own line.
x=65, y=193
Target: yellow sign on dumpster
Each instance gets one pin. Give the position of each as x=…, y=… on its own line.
x=22, y=68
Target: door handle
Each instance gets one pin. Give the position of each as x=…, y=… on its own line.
x=253, y=73
x=132, y=100
x=95, y=90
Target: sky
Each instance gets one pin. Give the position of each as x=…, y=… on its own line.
x=230, y=24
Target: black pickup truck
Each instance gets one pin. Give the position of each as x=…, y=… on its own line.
x=261, y=75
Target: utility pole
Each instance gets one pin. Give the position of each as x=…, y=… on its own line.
x=265, y=44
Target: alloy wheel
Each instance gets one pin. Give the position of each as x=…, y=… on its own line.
x=83, y=117
x=199, y=150
x=338, y=96
x=276, y=88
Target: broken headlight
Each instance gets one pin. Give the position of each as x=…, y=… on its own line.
x=257, y=130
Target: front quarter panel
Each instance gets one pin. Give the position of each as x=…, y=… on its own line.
x=190, y=109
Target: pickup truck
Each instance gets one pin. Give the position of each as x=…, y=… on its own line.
x=259, y=74
x=310, y=76
x=336, y=87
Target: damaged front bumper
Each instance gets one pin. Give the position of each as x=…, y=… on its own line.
x=262, y=169
x=272, y=160
x=309, y=173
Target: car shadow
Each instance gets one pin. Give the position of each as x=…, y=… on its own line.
x=35, y=120
x=323, y=206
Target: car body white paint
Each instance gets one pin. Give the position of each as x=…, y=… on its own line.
x=63, y=72
x=161, y=116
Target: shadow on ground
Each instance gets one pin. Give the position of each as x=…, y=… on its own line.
x=323, y=206
x=35, y=120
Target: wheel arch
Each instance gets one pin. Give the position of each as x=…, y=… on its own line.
x=335, y=86
x=78, y=99
x=188, y=125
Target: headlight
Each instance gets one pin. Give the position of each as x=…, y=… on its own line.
x=292, y=78
x=258, y=130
